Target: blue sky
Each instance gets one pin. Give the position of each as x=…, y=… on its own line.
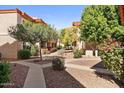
x=60, y=16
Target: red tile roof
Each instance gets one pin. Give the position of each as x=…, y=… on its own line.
x=76, y=23
x=24, y=15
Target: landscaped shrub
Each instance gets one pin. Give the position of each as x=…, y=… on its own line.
x=59, y=47
x=24, y=54
x=77, y=53
x=4, y=72
x=34, y=50
x=100, y=52
x=58, y=64
x=114, y=61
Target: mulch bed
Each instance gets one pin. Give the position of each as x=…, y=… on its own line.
x=17, y=76
x=60, y=79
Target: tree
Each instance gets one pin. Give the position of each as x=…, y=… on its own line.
x=19, y=33
x=69, y=36
x=24, y=32
x=98, y=23
x=118, y=35
x=33, y=33
x=51, y=34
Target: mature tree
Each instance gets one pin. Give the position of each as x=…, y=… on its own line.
x=19, y=33
x=33, y=33
x=23, y=32
x=43, y=34
x=69, y=36
x=118, y=35
x=98, y=23
x=51, y=33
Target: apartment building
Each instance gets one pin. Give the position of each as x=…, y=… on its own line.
x=8, y=45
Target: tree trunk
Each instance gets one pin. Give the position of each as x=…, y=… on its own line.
x=23, y=45
x=40, y=53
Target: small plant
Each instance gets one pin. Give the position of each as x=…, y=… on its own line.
x=24, y=54
x=77, y=53
x=4, y=72
x=58, y=64
x=59, y=47
x=114, y=61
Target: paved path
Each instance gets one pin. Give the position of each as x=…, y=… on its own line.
x=86, y=68
x=35, y=77
x=87, y=76
x=57, y=53
x=92, y=80
x=81, y=67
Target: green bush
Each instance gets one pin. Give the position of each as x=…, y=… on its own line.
x=24, y=54
x=34, y=50
x=100, y=52
x=114, y=61
x=58, y=64
x=77, y=53
x=59, y=47
x=4, y=72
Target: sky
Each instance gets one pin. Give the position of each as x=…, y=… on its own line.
x=61, y=16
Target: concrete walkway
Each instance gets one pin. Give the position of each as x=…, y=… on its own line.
x=86, y=68
x=57, y=53
x=81, y=67
x=35, y=77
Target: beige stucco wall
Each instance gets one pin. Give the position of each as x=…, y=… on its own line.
x=10, y=50
x=8, y=45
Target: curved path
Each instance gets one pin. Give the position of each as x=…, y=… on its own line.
x=35, y=77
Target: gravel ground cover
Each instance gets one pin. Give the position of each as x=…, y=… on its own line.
x=60, y=79
x=75, y=78
x=17, y=76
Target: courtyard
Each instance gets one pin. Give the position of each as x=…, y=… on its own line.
x=79, y=73
x=86, y=54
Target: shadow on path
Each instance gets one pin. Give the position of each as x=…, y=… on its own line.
x=99, y=65
x=106, y=76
